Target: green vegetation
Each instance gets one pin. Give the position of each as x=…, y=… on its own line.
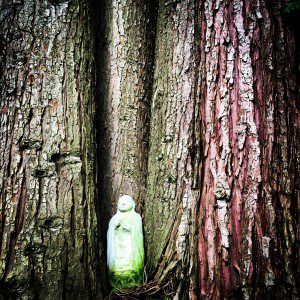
x=125, y=279
x=292, y=7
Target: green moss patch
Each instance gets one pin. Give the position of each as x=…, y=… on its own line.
x=125, y=279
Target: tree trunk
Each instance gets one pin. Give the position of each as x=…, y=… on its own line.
x=50, y=245
x=173, y=165
x=191, y=107
x=247, y=238
x=125, y=76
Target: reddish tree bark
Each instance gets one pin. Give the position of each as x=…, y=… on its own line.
x=191, y=107
x=247, y=239
x=125, y=35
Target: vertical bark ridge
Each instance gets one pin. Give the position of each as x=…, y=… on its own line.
x=48, y=235
x=125, y=77
x=171, y=191
x=243, y=102
x=276, y=80
x=209, y=133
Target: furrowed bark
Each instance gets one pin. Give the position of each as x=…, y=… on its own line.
x=125, y=76
x=173, y=166
x=277, y=88
x=191, y=107
x=247, y=217
x=48, y=236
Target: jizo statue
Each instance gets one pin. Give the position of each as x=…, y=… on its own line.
x=125, y=247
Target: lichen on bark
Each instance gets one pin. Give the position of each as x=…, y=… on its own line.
x=172, y=191
x=49, y=235
x=189, y=106
x=243, y=102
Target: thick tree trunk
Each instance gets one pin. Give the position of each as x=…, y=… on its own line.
x=247, y=238
x=173, y=165
x=49, y=240
x=195, y=115
x=126, y=40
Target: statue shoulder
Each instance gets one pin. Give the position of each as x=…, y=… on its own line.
x=137, y=216
x=113, y=220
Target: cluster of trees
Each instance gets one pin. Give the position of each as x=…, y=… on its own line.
x=189, y=106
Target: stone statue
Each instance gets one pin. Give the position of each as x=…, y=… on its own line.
x=125, y=247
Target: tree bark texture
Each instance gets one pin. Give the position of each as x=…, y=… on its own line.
x=248, y=207
x=125, y=47
x=173, y=165
x=191, y=107
x=50, y=245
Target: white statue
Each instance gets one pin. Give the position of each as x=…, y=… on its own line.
x=125, y=247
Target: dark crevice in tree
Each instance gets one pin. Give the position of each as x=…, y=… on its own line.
x=155, y=99
x=98, y=9
x=107, y=190
x=151, y=45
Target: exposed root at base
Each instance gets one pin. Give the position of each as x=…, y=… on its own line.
x=144, y=291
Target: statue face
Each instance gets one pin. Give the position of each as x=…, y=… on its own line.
x=125, y=203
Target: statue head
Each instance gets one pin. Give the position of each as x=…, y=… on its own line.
x=125, y=203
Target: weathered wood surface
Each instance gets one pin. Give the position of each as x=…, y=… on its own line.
x=49, y=241
x=192, y=107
